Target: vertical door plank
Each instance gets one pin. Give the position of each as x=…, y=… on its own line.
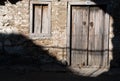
x=85, y=35
x=45, y=19
x=106, y=39
x=96, y=42
x=37, y=19
x=91, y=41
x=79, y=28
x=73, y=36
x=79, y=36
x=99, y=37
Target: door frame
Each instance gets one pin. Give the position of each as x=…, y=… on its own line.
x=68, y=34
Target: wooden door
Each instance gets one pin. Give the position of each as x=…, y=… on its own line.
x=89, y=37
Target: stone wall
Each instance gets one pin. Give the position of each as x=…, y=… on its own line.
x=14, y=18
x=14, y=33
x=15, y=25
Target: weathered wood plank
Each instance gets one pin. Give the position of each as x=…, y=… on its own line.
x=85, y=35
x=99, y=38
x=37, y=19
x=91, y=41
x=68, y=34
x=79, y=29
x=45, y=19
x=106, y=40
x=79, y=35
x=73, y=37
x=96, y=57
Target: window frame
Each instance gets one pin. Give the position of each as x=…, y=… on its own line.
x=41, y=35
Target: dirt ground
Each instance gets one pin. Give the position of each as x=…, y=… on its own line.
x=7, y=75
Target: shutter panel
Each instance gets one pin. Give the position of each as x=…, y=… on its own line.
x=40, y=21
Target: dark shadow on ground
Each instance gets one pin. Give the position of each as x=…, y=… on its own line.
x=22, y=60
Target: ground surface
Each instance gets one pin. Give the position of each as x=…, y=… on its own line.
x=10, y=75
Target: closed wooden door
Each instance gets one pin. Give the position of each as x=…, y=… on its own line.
x=89, y=37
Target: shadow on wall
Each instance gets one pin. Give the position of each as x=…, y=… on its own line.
x=18, y=50
x=2, y=2
x=23, y=60
x=114, y=12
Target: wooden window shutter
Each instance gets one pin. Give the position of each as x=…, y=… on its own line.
x=40, y=16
